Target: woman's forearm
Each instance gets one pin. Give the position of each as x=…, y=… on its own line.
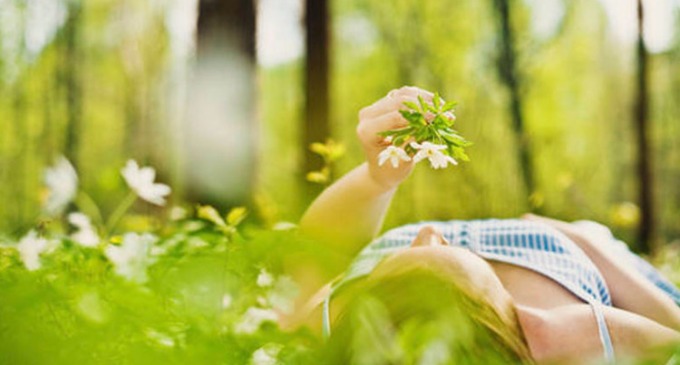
x=343, y=219
x=348, y=214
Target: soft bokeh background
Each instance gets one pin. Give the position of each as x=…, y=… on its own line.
x=223, y=99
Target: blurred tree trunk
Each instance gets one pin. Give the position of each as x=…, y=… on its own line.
x=647, y=229
x=508, y=73
x=219, y=131
x=20, y=158
x=316, y=124
x=72, y=67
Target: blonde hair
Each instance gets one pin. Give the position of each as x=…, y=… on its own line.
x=417, y=298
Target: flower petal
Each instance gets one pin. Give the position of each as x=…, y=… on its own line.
x=417, y=145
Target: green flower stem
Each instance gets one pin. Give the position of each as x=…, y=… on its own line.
x=121, y=209
x=87, y=205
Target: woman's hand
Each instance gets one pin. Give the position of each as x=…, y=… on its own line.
x=381, y=116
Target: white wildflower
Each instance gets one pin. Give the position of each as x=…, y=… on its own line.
x=178, y=213
x=133, y=256
x=436, y=352
x=284, y=226
x=62, y=182
x=432, y=152
x=86, y=234
x=253, y=319
x=266, y=355
x=283, y=293
x=141, y=181
x=30, y=248
x=394, y=154
x=227, y=300
x=160, y=338
x=264, y=279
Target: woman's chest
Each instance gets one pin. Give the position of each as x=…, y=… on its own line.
x=532, y=289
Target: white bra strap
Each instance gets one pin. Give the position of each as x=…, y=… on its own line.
x=326, y=317
x=605, y=336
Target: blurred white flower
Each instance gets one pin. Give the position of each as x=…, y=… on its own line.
x=253, y=319
x=394, y=154
x=432, y=152
x=140, y=180
x=264, y=279
x=62, y=182
x=261, y=300
x=86, y=234
x=160, y=338
x=178, y=213
x=284, y=226
x=435, y=353
x=227, y=300
x=30, y=248
x=282, y=294
x=266, y=355
x=133, y=256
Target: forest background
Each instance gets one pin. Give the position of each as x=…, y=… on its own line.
x=572, y=107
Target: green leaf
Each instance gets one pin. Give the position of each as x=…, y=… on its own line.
x=423, y=104
x=413, y=117
x=210, y=214
x=411, y=105
x=236, y=215
x=449, y=106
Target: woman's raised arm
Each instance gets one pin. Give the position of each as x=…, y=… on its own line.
x=349, y=213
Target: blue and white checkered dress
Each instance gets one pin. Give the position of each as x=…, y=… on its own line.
x=519, y=242
x=528, y=244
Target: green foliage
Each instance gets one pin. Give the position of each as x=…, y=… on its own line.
x=577, y=87
x=430, y=122
x=197, y=306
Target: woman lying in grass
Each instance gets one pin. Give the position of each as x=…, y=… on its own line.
x=532, y=290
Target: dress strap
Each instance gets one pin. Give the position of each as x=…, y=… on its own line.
x=326, y=317
x=605, y=336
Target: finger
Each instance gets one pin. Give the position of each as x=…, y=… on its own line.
x=368, y=129
x=394, y=100
x=429, y=236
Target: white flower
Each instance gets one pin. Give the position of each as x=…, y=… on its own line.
x=432, y=152
x=394, y=154
x=140, y=180
x=133, y=256
x=436, y=352
x=86, y=235
x=227, y=300
x=284, y=226
x=178, y=213
x=264, y=279
x=266, y=355
x=282, y=294
x=62, y=183
x=253, y=319
x=30, y=247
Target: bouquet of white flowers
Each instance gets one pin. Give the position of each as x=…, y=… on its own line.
x=429, y=134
